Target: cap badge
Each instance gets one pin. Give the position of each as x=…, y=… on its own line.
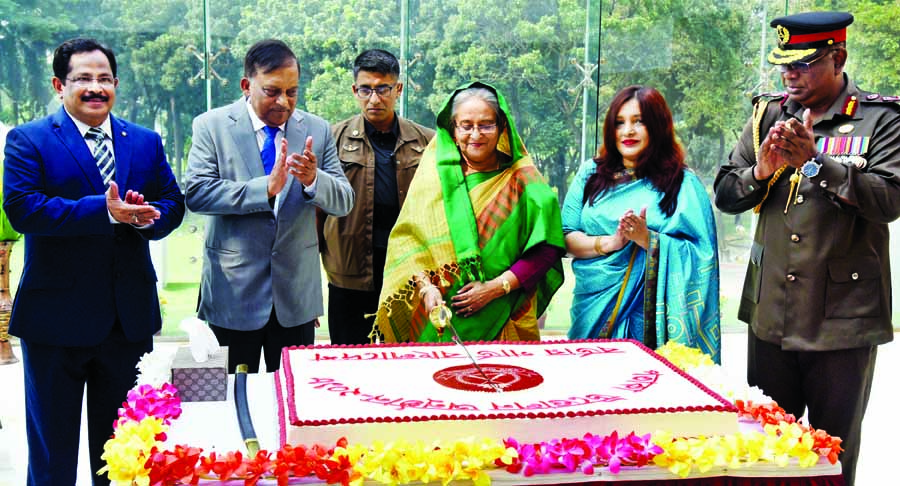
x=845, y=128
x=783, y=34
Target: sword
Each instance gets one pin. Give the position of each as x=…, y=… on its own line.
x=245, y=422
x=441, y=318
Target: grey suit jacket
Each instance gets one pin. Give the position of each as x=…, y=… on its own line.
x=254, y=259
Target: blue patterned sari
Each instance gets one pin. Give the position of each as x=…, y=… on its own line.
x=672, y=289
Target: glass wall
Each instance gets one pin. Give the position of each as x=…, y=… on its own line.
x=558, y=61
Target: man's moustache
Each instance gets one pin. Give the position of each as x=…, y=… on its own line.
x=95, y=97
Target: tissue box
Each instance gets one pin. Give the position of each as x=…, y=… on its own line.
x=200, y=382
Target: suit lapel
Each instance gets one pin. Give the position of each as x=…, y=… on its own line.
x=122, y=150
x=245, y=138
x=72, y=139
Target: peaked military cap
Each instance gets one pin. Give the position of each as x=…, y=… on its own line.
x=802, y=36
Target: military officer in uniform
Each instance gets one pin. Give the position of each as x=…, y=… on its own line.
x=821, y=165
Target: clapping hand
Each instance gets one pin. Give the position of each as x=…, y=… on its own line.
x=634, y=227
x=303, y=166
x=278, y=176
x=133, y=210
x=795, y=140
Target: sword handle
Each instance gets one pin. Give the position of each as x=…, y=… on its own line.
x=241, y=407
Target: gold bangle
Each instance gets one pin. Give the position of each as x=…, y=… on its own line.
x=506, y=287
x=597, y=247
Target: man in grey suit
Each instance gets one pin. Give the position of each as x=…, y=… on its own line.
x=259, y=168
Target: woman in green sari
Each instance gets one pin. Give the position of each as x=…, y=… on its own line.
x=480, y=230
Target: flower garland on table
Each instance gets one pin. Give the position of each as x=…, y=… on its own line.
x=586, y=454
x=135, y=455
x=783, y=437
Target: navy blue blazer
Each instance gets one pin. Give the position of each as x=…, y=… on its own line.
x=81, y=272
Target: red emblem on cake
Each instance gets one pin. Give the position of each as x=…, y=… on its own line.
x=507, y=377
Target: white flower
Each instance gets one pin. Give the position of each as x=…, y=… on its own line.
x=155, y=368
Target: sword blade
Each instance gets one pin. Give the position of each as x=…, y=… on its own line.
x=484, y=375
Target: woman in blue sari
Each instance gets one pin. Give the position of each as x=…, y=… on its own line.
x=640, y=227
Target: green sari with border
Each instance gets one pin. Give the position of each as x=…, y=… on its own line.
x=454, y=229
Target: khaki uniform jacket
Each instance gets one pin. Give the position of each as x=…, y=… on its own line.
x=819, y=276
x=346, y=243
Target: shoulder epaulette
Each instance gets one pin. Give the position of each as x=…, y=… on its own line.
x=877, y=98
x=781, y=96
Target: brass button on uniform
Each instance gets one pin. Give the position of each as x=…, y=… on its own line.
x=795, y=238
x=791, y=277
x=854, y=276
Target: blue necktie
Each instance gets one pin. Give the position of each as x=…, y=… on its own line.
x=268, y=150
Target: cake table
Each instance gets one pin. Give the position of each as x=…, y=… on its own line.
x=213, y=427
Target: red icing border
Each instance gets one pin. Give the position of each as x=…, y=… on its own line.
x=282, y=425
x=725, y=407
x=289, y=381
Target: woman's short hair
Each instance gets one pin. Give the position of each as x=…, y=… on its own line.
x=483, y=94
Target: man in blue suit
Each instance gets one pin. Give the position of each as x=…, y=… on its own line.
x=259, y=168
x=86, y=308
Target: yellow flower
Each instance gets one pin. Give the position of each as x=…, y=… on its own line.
x=683, y=356
x=403, y=462
x=127, y=452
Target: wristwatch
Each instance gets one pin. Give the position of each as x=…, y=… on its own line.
x=810, y=168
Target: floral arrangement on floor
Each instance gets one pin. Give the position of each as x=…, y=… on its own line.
x=135, y=454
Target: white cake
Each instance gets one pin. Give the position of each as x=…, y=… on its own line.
x=432, y=392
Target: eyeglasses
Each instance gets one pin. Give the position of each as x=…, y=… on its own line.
x=87, y=81
x=801, y=67
x=365, y=92
x=275, y=93
x=485, y=129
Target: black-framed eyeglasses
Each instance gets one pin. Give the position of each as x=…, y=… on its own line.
x=365, y=92
x=486, y=129
x=275, y=92
x=87, y=81
x=801, y=67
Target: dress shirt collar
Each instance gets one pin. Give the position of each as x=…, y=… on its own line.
x=256, y=122
x=83, y=127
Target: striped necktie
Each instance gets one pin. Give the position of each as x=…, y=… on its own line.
x=106, y=162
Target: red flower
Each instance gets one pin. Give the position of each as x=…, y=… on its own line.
x=174, y=467
x=337, y=471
